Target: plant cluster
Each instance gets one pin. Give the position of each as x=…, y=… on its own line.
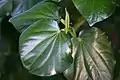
x=59, y=37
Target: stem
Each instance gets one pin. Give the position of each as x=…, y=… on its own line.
x=71, y=29
x=80, y=22
x=72, y=32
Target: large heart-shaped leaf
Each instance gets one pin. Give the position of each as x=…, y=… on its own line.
x=95, y=10
x=44, y=48
x=47, y=10
x=94, y=57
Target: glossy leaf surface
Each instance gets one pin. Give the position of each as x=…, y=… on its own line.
x=47, y=10
x=95, y=10
x=94, y=57
x=22, y=5
x=44, y=48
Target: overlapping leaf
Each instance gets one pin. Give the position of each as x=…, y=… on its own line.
x=44, y=48
x=95, y=10
x=22, y=5
x=94, y=57
x=69, y=73
x=47, y=10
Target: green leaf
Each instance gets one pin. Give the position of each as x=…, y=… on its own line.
x=69, y=73
x=44, y=48
x=47, y=10
x=53, y=0
x=5, y=7
x=67, y=21
x=94, y=58
x=95, y=10
x=29, y=3
x=22, y=5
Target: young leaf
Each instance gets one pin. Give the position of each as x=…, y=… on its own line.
x=42, y=10
x=94, y=57
x=67, y=21
x=44, y=48
x=95, y=10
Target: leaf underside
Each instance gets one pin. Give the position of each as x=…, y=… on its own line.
x=93, y=58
